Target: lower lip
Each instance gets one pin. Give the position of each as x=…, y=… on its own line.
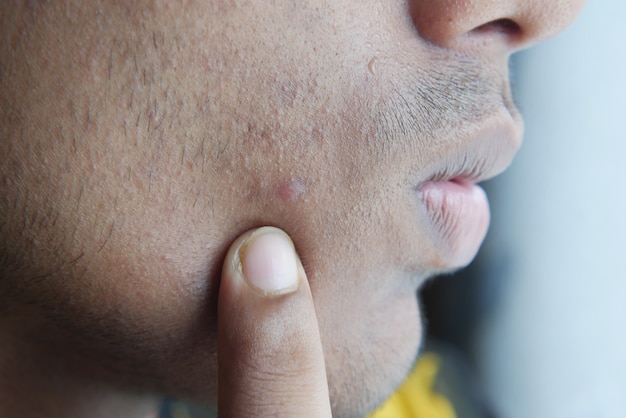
x=459, y=214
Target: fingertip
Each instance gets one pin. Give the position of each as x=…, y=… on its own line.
x=268, y=261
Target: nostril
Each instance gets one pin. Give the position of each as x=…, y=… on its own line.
x=505, y=27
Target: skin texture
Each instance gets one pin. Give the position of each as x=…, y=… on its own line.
x=138, y=141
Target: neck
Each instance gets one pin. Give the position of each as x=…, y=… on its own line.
x=38, y=382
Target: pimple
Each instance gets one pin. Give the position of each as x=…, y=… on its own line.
x=291, y=189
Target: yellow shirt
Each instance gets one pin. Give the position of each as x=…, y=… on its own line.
x=415, y=398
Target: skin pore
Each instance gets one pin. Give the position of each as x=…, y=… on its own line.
x=139, y=140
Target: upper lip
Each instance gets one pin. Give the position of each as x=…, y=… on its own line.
x=479, y=156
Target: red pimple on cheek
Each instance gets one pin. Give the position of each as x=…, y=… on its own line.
x=290, y=189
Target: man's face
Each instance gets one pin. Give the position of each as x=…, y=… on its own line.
x=139, y=140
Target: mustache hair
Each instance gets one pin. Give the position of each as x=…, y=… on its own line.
x=432, y=104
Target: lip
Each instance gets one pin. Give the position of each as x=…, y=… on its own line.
x=455, y=206
x=459, y=216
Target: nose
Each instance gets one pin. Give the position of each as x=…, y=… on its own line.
x=508, y=25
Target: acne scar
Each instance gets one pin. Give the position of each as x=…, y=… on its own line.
x=289, y=190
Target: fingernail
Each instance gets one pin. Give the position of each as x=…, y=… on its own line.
x=268, y=261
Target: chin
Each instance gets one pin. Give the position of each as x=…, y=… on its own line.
x=364, y=370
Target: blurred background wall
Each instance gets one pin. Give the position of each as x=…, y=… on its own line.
x=553, y=340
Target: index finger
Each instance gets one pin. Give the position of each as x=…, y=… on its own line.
x=270, y=354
